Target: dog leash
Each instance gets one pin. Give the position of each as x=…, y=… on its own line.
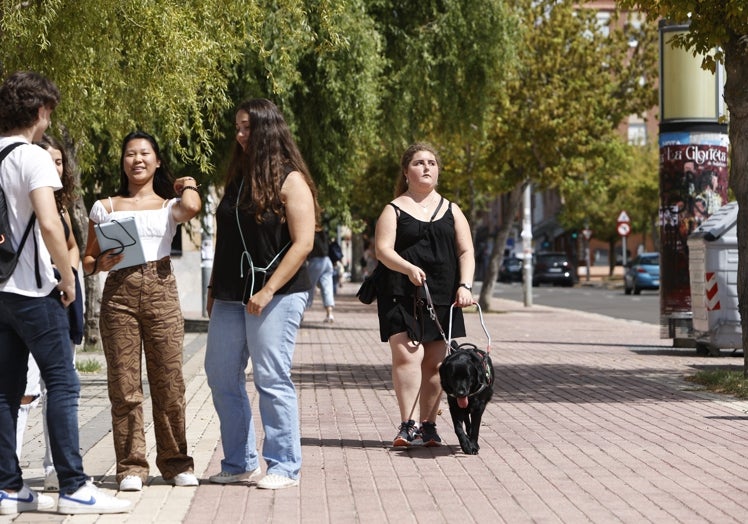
x=448, y=337
x=432, y=312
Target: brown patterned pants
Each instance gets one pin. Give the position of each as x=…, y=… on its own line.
x=140, y=308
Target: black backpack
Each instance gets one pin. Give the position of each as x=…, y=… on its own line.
x=9, y=255
x=335, y=252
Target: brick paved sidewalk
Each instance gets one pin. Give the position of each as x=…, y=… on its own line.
x=591, y=421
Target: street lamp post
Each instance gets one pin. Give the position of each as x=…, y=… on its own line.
x=527, y=245
x=586, y=234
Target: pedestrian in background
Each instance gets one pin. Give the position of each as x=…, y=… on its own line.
x=335, y=252
x=36, y=391
x=321, y=273
x=141, y=314
x=420, y=237
x=33, y=318
x=259, y=288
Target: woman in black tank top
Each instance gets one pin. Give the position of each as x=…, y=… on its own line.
x=265, y=230
x=420, y=237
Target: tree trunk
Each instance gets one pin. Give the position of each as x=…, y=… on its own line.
x=736, y=98
x=508, y=214
x=92, y=289
x=655, y=236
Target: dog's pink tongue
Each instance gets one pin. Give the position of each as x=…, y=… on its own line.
x=462, y=402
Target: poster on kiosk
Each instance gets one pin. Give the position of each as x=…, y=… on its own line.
x=693, y=185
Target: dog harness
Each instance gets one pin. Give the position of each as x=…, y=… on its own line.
x=486, y=377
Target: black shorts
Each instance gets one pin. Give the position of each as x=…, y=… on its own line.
x=398, y=315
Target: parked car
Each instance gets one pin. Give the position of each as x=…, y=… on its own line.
x=553, y=268
x=510, y=270
x=642, y=273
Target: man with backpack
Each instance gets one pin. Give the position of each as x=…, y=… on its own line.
x=32, y=306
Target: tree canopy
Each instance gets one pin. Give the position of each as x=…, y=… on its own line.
x=445, y=65
x=509, y=91
x=177, y=70
x=556, y=125
x=126, y=65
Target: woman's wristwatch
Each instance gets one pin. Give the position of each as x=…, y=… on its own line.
x=469, y=287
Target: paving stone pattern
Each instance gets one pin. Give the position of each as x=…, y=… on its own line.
x=591, y=421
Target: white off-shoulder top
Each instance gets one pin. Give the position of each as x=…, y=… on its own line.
x=156, y=227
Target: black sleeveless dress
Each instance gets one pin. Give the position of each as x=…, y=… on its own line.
x=401, y=306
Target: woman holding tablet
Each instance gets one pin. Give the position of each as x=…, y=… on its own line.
x=140, y=308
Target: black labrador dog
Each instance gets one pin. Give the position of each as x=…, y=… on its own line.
x=467, y=377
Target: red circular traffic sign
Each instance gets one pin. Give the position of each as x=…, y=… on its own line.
x=624, y=228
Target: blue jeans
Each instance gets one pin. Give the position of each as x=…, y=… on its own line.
x=321, y=271
x=234, y=337
x=39, y=325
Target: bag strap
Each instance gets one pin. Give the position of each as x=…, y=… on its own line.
x=4, y=153
x=436, y=210
x=245, y=253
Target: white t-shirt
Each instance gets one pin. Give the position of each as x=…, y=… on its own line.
x=25, y=169
x=156, y=227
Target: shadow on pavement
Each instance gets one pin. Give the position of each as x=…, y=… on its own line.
x=546, y=383
x=342, y=376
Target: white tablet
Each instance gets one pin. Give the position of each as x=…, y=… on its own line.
x=121, y=236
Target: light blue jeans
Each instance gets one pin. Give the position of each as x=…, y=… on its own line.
x=321, y=271
x=235, y=337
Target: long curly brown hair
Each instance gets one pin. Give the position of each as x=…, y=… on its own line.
x=65, y=196
x=271, y=153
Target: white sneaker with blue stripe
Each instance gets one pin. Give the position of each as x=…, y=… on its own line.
x=23, y=500
x=90, y=500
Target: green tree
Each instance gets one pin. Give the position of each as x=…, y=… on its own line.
x=638, y=190
x=719, y=32
x=161, y=66
x=625, y=178
x=575, y=82
x=321, y=63
x=337, y=108
x=445, y=64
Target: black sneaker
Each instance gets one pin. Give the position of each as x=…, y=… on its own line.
x=405, y=434
x=429, y=435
